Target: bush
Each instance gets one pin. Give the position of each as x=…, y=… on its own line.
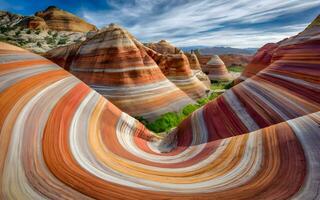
x=37, y=32
x=62, y=41
x=39, y=44
x=55, y=35
x=18, y=33
x=188, y=109
x=165, y=122
x=28, y=31
x=50, y=40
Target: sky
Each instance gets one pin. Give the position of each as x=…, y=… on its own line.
x=230, y=23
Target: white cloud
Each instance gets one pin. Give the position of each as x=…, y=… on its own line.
x=201, y=22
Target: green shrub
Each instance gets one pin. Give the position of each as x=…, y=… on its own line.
x=55, y=35
x=62, y=41
x=188, y=109
x=37, y=32
x=39, y=44
x=28, y=31
x=18, y=33
x=50, y=40
x=165, y=122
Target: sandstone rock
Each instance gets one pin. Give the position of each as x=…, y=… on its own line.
x=216, y=69
x=60, y=20
x=163, y=47
x=116, y=65
x=33, y=22
x=62, y=140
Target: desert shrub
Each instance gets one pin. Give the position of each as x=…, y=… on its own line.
x=50, y=40
x=4, y=29
x=37, y=32
x=39, y=44
x=17, y=33
x=62, y=41
x=229, y=85
x=49, y=32
x=28, y=31
x=55, y=35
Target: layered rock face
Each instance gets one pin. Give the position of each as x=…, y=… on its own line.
x=60, y=20
x=193, y=61
x=261, y=60
x=216, y=69
x=272, y=52
x=116, y=65
x=163, y=47
x=177, y=69
x=33, y=22
x=259, y=140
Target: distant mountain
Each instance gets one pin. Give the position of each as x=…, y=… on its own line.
x=220, y=50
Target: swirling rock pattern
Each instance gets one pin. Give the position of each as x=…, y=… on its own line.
x=116, y=65
x=216, y=69
x=60, y=139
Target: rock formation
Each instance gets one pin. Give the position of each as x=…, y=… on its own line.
x=193, y=61
x=216, y=69
x=60, y=20
x=116, y=65
x=33, y=22
x=163, y=47
x=272, y=52
x=197, y=70
x=177, y=69
x=59, y=139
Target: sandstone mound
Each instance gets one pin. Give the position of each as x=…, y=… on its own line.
x=60, y=20
x=177, y=69
x=117, y=66
x=272, y=52
x=259, y=140
x=33, y=22
x=193, y=61
x=216, y=69
x=163, y=47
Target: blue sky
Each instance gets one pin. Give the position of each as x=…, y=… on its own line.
x=234, y=23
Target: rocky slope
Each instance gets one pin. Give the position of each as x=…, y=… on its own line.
x=272, y=52
x=49, y=29
x=116, y=65
x=259, y=140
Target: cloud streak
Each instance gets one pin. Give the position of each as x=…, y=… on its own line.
x=244, y=23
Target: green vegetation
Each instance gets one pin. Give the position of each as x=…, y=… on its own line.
x=221, y=85
x=50, y=40
x=238, y=69
x=170, y=120
x=39, y=44
x=18, y=33
x=37, y=32
x=62, y=41
x=28, y=31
